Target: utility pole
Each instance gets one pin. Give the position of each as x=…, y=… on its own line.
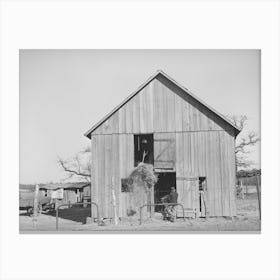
x=35, y=206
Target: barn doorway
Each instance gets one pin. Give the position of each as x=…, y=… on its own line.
x=143, y=148
x=166, y=180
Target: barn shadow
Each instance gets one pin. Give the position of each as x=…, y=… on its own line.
x=76, y=214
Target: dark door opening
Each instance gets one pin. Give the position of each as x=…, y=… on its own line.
x=202, y=197
x=143, y=148
x=162, y=187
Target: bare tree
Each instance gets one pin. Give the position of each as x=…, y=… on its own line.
x=244, y=142
x=77, y=166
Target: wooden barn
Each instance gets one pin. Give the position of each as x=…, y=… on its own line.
x=190, y=145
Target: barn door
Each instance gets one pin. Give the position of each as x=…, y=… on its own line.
x=188, y=194
x=164, y=151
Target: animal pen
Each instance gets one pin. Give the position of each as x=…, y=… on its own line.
x=190, y=146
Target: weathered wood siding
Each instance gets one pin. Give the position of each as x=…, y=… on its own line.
x=157, y=109
x=202, y=145
x=207, y=154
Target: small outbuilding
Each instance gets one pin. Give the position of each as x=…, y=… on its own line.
x=190, y=145
x=68, y=192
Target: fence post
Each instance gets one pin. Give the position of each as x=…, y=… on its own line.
x=259, y=196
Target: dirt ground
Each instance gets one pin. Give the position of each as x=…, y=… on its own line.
x=247, y=220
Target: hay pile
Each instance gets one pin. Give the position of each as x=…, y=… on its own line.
x=140, y=185
x=142, y=173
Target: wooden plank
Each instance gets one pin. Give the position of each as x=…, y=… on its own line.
x=108, y=175
x=122, y=120
x=116, y=176
x=122, y=160
x=209, y=174
x=232, y=174
x=101, y=173
x=142, y=110
x=129, y=117
x=156, y=106
x=218, y=175
x=225, y=180
x=178, y=113
x=94, y=174
x=170, y=110
x=186, y=116
x=150, y=107
x=136, y=113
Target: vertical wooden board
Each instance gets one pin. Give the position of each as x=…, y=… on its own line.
x=147, y=112
x=115, y=123
x=142, y=110
x=217, y=162
x=110, y=175
x=179, y=189
x=116, y=177
x=122, y=162
x=130, y=149
x=191, y=117
x=232, y=174
x=164, y=113
x=214, y=172
x=163, y=108
x=194, y=119
x=158, y=107
x=186, y=152
x=194, y=153
x=224, y=175
x=185, y=115
x=186, y=194
x=209, y=174
x=136, y=113
x=101, y=173
x=204, y=115
x=129, y=117
x=110, y=125
x=122, y=120
x=170, y=110
x=178, y=113
x=94, y=173
x=200, y=154
x=106, y=174
x=150, y=107
x=223, y=165
x=179, y=155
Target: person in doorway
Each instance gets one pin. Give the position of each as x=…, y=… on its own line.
x=169, y=211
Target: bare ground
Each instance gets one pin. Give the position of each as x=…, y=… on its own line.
x=247, y=220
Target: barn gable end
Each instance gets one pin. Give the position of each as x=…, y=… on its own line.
x=162, y=105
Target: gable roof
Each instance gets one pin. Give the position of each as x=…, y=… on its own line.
x=158, y=73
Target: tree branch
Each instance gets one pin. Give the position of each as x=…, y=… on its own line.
x=72, y=171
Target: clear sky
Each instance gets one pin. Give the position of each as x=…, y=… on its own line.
x=64, y=92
